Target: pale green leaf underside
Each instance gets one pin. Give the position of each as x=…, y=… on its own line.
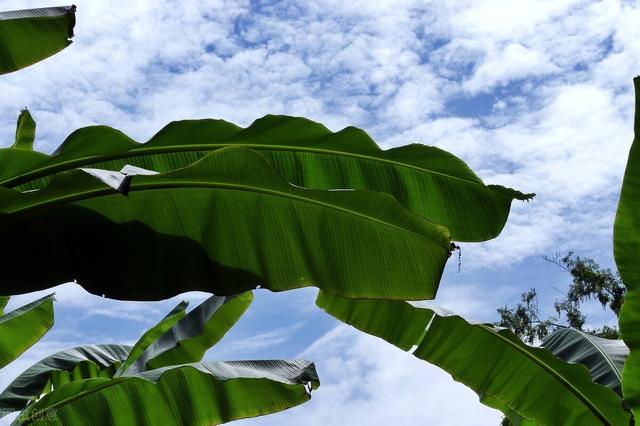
x=603, y=357
x=31, y=35
x=426, y=180
x=217, y=228
x=21, y=328
x=626, y=249
x=494, y=363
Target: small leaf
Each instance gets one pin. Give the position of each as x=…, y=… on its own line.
x=25, y=131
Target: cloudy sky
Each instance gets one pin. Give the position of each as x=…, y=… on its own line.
x=535, y=95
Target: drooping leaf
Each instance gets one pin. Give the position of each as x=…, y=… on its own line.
x=21, y=328
x=224, y=225
x=151, y=335
x=83, y=362
x=426, y=180
x=603, y=357
x=626, y=250
x=194, y=394
x=31, y=35
x=493, y=362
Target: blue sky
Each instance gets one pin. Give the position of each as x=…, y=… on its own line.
x=534, y=95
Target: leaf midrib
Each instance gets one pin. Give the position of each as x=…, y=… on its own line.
x=138, y=152
x=147, y=186
x=530, y=355
x=603, y=353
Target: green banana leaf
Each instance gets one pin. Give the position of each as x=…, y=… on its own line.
x=177, y=337
x=3, y=303
x=493, y=362
x=190, y=337
x=105, y=384
x=626, y=250
x=84, y=362
x=153, y=334
x=225, y=224
x=31, y=35
x=23, y=327
x=426, y=180
x=211, y=392
x=603, y=357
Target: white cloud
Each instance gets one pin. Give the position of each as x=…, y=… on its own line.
x=365, y=381
x=558, y=74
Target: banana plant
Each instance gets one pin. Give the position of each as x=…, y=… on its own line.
x=161, y=379
x=23, y=327
x=31, y=35
x=626, y=250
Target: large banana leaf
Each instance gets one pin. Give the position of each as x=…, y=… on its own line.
x=23, y=327
x=205, y=393
x=83, y=362
x=29, y=36
x=426, y=180
x=225, y=224
x=190, y=337
x=493, y=362
x=603, y=357
x=626, y=250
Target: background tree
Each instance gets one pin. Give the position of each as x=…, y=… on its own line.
x=590, y=281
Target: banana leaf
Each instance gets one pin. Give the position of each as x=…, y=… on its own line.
x=211, y=392
x=603, y=357
x=3, y=303
x=626, y=250
x=110, y=384
x=153, y=334
x=226, y=224
x=426, y=180
x=84, y=362
x=189, y=338
x=23, y=327
x=31, y=35
x=180, y=338
x=493, y=362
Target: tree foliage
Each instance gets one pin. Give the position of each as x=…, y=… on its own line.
x=590, y=281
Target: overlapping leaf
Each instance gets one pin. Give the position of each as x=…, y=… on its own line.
x=603, y=357
x=31, y=35
x=203, y=393
x=225, y=224
x=113, y=384
x=84, y=362
x=23, y=327
x=493, y=362
x=626, y=249
x=426, y=180
x=189, y=338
